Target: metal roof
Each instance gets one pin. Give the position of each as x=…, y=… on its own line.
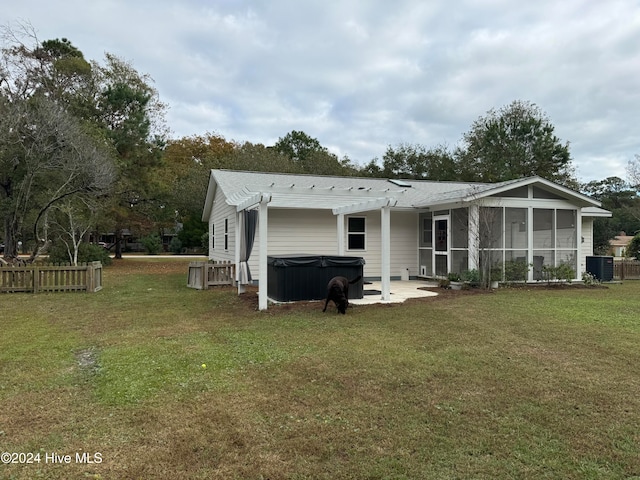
x=329, y=192
x=335, y=193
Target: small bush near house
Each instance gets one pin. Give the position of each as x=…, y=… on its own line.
x=563, y=273
x=471, y=276
x=589, y=279
x=453, y=277
x=516, y=271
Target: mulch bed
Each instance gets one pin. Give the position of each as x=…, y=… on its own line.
x=250, y=299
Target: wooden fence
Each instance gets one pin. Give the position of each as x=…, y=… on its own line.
x=203, y=275
x=51, y=278
x=626, y=269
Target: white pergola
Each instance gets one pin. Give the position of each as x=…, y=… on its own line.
x=341, y=201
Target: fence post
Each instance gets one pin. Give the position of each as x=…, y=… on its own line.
x=91, y=281
x=36, y=278
x=97, y=275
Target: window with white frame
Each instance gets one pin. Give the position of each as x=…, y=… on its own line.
x=356, y=233
x=213, y=236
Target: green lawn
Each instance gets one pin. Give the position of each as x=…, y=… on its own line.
x=517, y=384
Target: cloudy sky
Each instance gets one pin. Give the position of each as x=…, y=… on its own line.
x=362, y=75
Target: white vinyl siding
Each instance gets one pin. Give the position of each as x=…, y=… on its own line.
x=219, y=213
x=404, y=243
x=587, y=245
x=294, y=231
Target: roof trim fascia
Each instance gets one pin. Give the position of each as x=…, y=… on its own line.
x=596, y=212
x=530, y=181
x=211, y=194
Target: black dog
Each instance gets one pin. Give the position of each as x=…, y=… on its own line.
x=338, y=291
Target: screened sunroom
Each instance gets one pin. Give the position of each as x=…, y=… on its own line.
x=512, y=243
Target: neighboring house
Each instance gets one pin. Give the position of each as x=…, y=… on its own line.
x=402, y=228
x=618, y=244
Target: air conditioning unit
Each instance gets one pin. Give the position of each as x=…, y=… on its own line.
x=423, y=270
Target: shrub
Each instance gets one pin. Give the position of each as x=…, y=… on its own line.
x=633, y=249
x=471, y=276
x=516, y=271
x=562, y=272
x=152, y=243
x=589, y=279
x=565, y=273
x=192, y=230
x=175, y=246
x=495, y=274
x=87, y=252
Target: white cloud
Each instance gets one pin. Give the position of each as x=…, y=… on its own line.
x=362, y=75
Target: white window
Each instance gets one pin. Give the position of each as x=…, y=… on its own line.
x=356, y=233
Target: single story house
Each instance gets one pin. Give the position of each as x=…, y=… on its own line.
x=402, y=228
x=618, y=245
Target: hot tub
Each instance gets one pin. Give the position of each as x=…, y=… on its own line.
x=305, y=276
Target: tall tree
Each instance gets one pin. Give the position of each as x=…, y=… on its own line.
x=46, y=156
x=633, y=171
x=184, y=177
x=112, y=103
x=71, y=220
x=55, y=69
x=418, y=162
x=513, y=142
x=130, y=115
x=311, y=156
x=188, y=161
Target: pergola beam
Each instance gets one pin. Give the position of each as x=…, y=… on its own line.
x=253, y=200
x=365, y=206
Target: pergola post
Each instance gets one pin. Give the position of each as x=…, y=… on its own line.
x=474, y=237
x=385, y=223
x=340, y=220
x=262, y=229
x=239, y=231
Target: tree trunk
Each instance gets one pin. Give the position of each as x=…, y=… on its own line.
x=10, y=240
x=118, y=251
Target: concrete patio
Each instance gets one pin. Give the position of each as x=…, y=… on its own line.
x=400, y=291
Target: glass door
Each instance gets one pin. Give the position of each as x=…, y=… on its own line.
x=441, y=245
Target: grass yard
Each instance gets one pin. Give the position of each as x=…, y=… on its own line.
x=516, y=384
